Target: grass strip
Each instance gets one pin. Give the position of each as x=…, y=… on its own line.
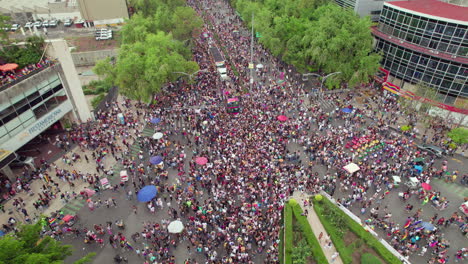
x=288, y=234
x=336, y=223
x=317, y=252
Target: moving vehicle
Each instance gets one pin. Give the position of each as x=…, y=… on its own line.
x=233, y=106
x=437, y=151
x=217, y=57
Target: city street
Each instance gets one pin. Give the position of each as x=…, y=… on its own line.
x=231, y=204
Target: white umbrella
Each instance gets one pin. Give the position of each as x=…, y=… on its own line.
x=351, y=168
x=157, y=135
x=175, y=227
x=259, y=66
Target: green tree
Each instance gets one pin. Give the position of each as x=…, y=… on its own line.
x=149, y=7
x=339, y=41
x=186, y=23
x=142, y=68
x=4, y=24
x=301, y=252
x=458, y=135
x=28, y=247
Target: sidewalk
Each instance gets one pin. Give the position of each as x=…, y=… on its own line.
x=318, y=228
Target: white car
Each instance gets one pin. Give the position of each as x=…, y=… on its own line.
x=53, y=23
x=15, y=27
x=45, y=23
x=38, y=24
x=29, y=25
x=68, y=23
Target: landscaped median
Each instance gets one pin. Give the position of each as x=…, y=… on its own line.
x=351, y=240
x=300, y=243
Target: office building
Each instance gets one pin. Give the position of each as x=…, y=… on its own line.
x=31, y=103
x=426, y=41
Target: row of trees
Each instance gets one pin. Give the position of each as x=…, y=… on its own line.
x=315, y=35
x=155, y=44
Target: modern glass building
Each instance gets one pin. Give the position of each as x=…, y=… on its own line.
x=32, y=103
x=426, y=41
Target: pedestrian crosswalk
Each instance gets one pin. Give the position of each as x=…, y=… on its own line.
x=147, y=132
x=73, y=206
x=325, y=104
x=457, y=189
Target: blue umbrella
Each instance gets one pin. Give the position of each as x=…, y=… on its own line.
x=418, y=168
x=346, y=110
x=155, y=160
x=147, y=193
x=428, y=226
x=155, y=120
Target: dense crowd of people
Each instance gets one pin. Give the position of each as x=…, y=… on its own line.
x=231, y=206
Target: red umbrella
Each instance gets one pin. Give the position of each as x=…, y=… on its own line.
x=426, y=186
x=8, y=67
x=282, y=118
x=201, y=160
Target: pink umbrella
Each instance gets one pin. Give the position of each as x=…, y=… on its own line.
x=426, y=186
x=282, y=118
x=201, y=160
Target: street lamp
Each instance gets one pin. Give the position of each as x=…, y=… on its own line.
x=324, y=78
x=191, y=75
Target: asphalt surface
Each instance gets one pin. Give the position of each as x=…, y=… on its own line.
x=453, y=191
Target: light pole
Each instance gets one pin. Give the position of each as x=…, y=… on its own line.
x=251, y=56
x=324, y=78
x=191, y=75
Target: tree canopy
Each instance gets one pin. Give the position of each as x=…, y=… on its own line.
x=459, y=135
x=143, y=67
x=314, y=35
x=25, y=55
x=153, y=48
x=27, y=247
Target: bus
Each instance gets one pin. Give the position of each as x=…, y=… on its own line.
x=233, y=106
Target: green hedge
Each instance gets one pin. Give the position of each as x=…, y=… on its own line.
x=288, y=233
x=336, y=235
x=369, y=259
x=317, y=252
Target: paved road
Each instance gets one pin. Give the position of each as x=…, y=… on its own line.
x=453, y=192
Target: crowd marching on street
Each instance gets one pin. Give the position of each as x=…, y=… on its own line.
x=231, y=206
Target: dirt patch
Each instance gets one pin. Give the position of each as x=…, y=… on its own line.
x=89, y=43
x=359, y=247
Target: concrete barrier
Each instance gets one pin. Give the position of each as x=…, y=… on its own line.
x=89, y=58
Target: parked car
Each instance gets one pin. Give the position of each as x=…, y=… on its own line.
x=68, y=23
x=45, y=23
x=53, y=23
x=29, y=25
x=437, y=151
x=38, y=24
x=22, y=161
x=15, y=27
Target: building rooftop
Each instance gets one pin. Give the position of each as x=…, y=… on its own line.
x=434, y=8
